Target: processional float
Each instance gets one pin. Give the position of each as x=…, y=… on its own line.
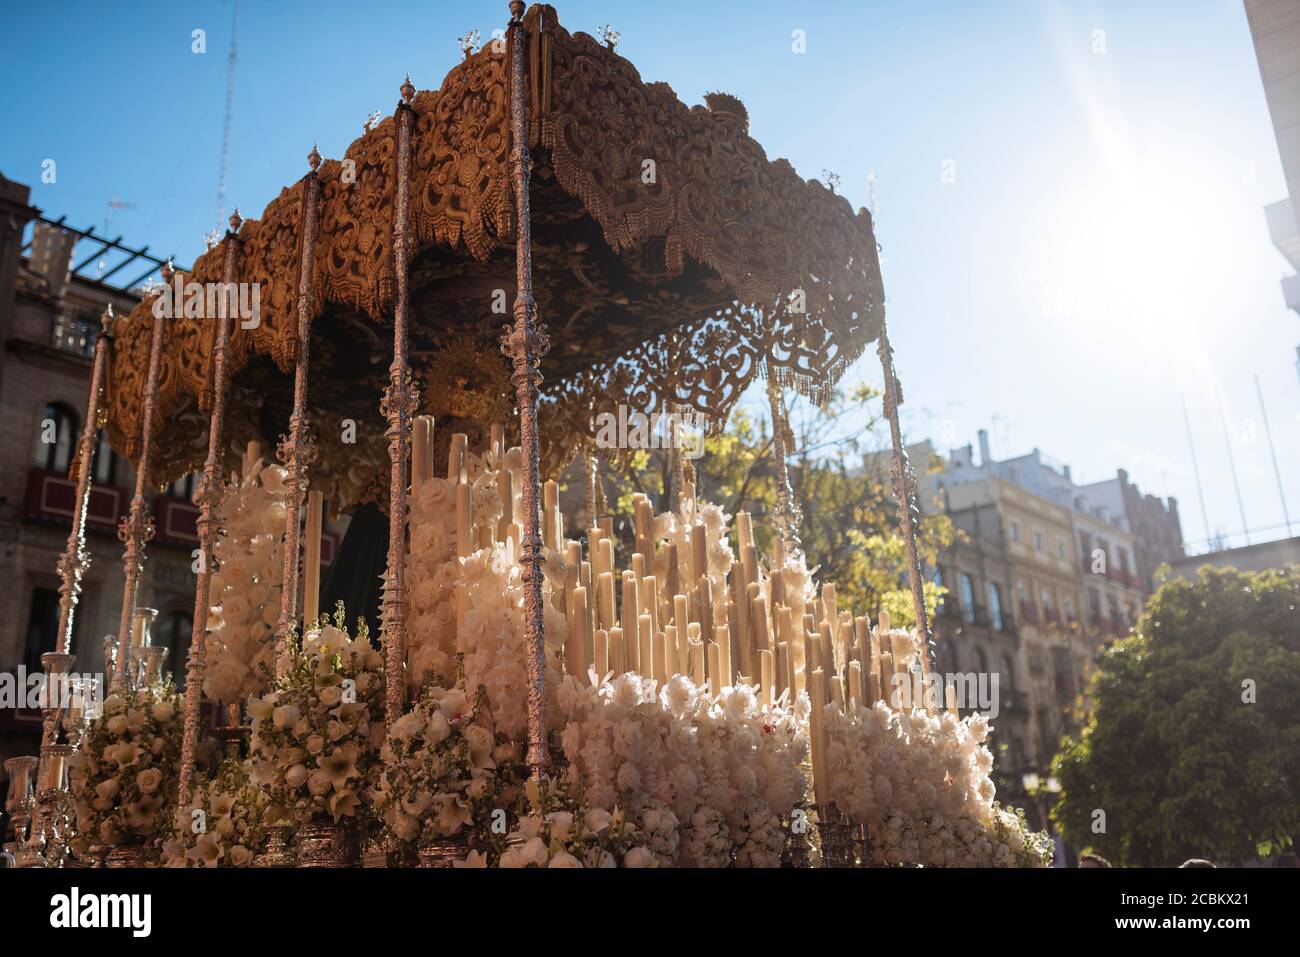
x=674, y=263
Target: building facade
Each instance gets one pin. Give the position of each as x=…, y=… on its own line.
x=1043, y=573
x=1275, y=30
x=49, y=320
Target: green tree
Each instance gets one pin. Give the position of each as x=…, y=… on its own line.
x=849, y=529
x=1193, y=745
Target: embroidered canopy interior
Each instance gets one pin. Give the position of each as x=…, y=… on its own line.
x=666, y=250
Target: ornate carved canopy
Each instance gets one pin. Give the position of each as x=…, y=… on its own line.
x=666, y=250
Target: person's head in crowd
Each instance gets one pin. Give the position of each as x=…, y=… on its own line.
x=1196, y=862
x=1093, y=860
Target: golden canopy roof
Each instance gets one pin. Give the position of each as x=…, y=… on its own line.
x=666, y=246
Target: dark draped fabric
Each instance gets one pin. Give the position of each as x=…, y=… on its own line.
x=356, y=574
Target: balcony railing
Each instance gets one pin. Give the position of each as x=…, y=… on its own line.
x=51, y=497
x=75, y=335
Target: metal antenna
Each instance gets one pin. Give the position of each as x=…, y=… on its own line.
x=225, y=127
x=1232, y=465
x=1277, y=472
x=1196, y=469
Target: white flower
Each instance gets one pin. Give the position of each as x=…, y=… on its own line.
x=639, y=857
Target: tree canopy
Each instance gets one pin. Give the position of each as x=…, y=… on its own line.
x=1193, y=745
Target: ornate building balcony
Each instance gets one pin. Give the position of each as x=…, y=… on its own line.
x=51, y=497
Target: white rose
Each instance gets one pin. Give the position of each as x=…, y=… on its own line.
x=286, y=716
x=639, y=857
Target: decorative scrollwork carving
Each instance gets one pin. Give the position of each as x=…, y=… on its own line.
x=670, y=285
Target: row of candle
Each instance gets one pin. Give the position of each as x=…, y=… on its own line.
x=766, y=633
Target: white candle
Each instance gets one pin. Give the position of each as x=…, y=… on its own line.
x=311, y=560
x=722, y=639
x=421, y=460
x=617, y=652
x=506, y=489
x=464, y=515
x=605, y=600
x=456, y=457
x=715, y=669
x=631, y=613
x=817, y=743
x=670, y=667
x=837, y=691
x=644, y=645
x=699, y=553
x=888, y=689
x=697, y=664
x=574, y=648
x=602, y=653
x=767, y=692
x=744, y=529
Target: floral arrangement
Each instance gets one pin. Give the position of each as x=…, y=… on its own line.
x=921, y=785
x=703, y=781
x=472, y=606
x=122, y=779
x=317, y=733
x=438, y=776
x=223, y=825
x=246, y=582
x=555, y=830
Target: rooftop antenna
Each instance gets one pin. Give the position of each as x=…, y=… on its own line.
x=1196, y=469
x=1232, y=464
x=225, y=126
x=1277, y=472
x=115, y=203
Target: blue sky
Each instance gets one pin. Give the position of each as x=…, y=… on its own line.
x=1071, y=220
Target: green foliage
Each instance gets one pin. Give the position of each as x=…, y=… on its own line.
x=1175, y=753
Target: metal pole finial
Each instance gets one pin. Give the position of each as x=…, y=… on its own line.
x=517, y=8
x=313, y=158
x=407, y=90
x=235, y=222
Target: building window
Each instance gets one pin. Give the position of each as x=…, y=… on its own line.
x=1069, y=608
x=174, y=630
x=968, y=599
x=56, y=436
x=42, y=627
x=995, y=606
x=1009, y=674
x=1060, y=549
x=105, y=461
x=183, y=488
x=1038, y=541
x=1015, y=531
x=981, y=661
